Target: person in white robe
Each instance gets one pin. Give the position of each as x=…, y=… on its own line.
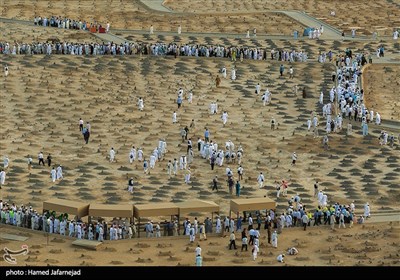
x=319, y=197
x=112, y=155
x=274, y=239
x=71, y=229
x=395, y=35
x=321, y=98
x=267, y=94
x=53, y=174
x=140, y=104
x=6, y=162
x=174, y=117
x=233, y=74
x=152, y=161
x=218, y=226
x=367, y=209
x=151, y=29
x=255, y=251
x=175, y=166
x=6, y=71
x=281, y=258
x=101, y=234
x=59, y=173
x=169, y=168
x=308, y=124
x=179, y=30
x=2, y=178
x=260, y=180
x=324, y=200
x=192, y=234
x=79, y=231
x=378, y=118
x=90, y=233
x=190, y=97
x=182, y=162
x=132, y=155
x=140, y=154
x=187, y=175
x=224, y=117
x=223, y=70
x=258, y=88
x=56, y=225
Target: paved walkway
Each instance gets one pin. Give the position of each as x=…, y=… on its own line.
x=329, y=31
x=384, y=218
x=303, y=18
x=109, y=37
x=156, y=5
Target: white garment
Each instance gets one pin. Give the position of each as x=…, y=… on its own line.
x=140, y=104
x=233, y=74
x=224, y=117
x=366, y=210
x=2, y=177
x=112, y=155
x=59, y=173
x=53, y=173
x=274, y=240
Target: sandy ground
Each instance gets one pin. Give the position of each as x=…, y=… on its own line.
x=366, y=16
x=43, y=98
x=381, y=81
x=362, y=245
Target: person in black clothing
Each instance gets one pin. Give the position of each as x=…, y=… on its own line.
x=198, y=144
x=189, y=145
x=130, y=185
x=105, y=230
x=215, y=183
x=258, y=222
x=212, y=162
x=86, y=134
x=187, y=132
x=269, y=231
x=304, y=93
x=230, y=185
x=49, y=160
x=315, y=188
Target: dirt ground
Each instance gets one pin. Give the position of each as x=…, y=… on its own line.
x=381, y=81
x=362, y=245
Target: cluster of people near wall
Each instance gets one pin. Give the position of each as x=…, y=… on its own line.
x=67, y=23
x=156, y=49
x=295, y=215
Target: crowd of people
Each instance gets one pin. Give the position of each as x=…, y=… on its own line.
x=346, y=101
x=67, y=23
x=156, y=49
x=348, y=96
